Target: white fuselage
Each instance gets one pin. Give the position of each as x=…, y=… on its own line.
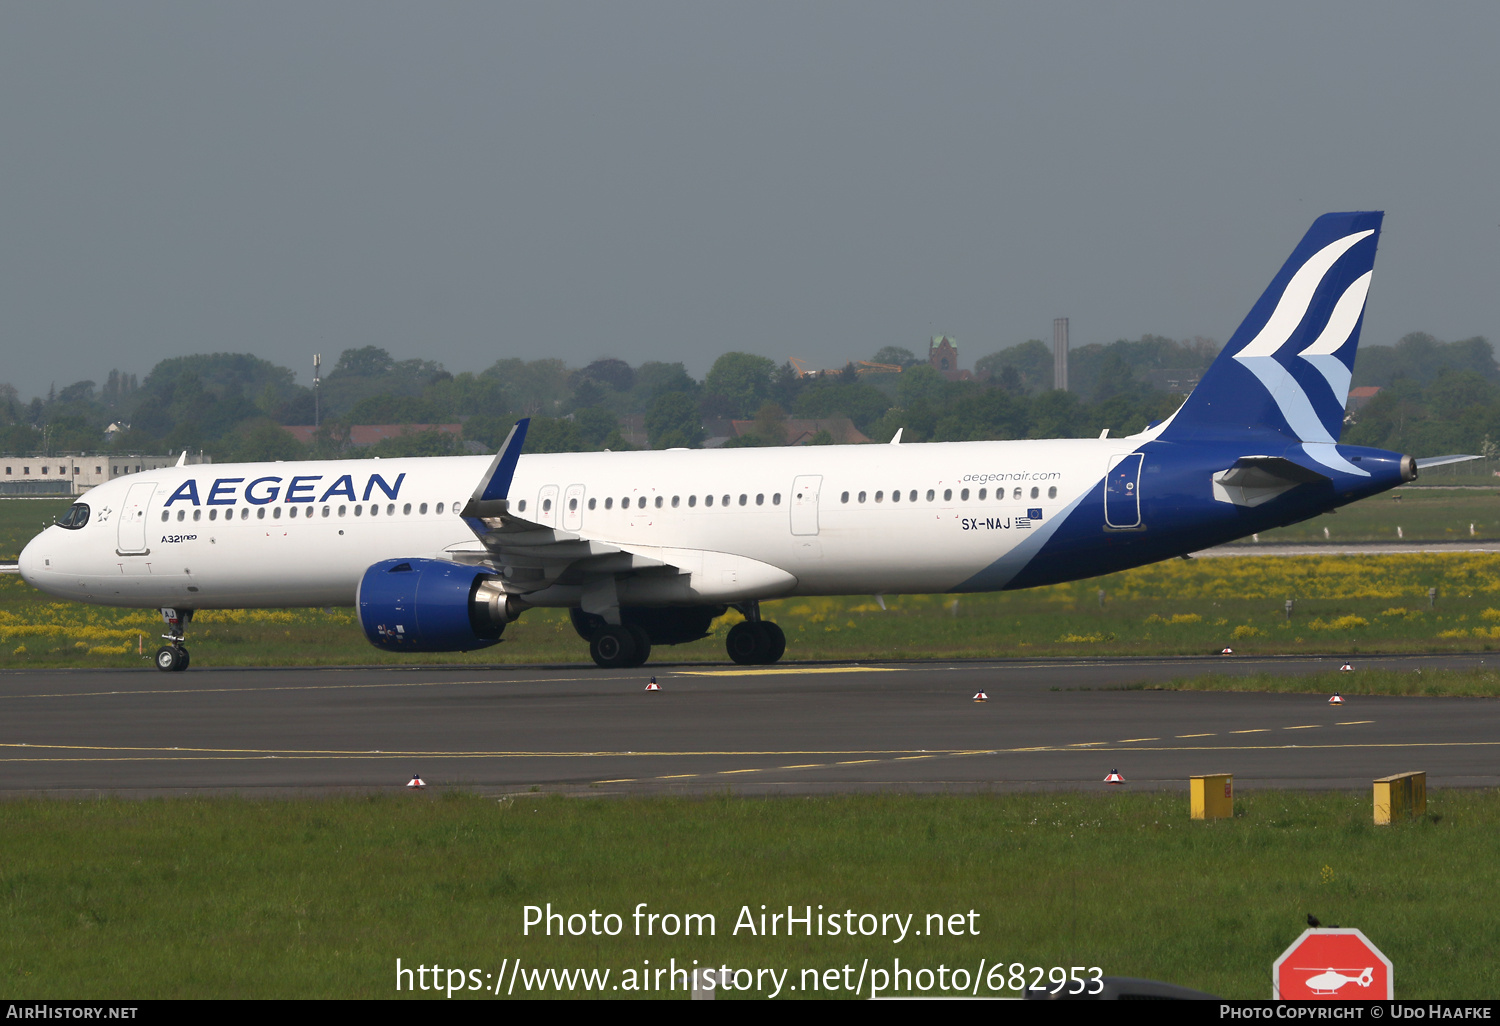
x=303, y=533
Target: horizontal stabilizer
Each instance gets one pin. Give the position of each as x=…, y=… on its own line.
x=1254, y=480
x=1438, y=461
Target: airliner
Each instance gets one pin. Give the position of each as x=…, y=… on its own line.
x=439, y=554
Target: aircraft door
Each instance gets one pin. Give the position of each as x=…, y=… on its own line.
x=546, y=506
x=573, y=507
x=131, y=540
x=1122, y=492
x=805, y=503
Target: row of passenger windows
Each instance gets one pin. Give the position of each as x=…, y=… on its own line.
x=310, y=511
x=963, y=495
x=760, y=499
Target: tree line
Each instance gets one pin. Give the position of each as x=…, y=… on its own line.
x=1436, y=397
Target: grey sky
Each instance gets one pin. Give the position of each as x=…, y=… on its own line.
x=463, y=182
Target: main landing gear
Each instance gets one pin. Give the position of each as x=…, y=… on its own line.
x=755, y=642
x=620, y=647
x=173, y=656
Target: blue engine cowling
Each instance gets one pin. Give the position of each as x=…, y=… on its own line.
x=430, y=605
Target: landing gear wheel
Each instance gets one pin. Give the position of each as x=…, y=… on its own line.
x=642, y=645
x=746, y=643
x=171, y=659
x=187, y=658
x=613, y=648
x=775, y=641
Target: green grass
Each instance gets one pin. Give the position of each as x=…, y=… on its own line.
x=1344, y=605
x=23, y=519
x=1422, y=514
x=1422, y=683
x=237, y=898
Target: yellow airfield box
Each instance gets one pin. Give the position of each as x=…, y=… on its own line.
x=1400, y=797
x=1212, y=796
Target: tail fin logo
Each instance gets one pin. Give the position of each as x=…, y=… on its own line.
x=1259, y=355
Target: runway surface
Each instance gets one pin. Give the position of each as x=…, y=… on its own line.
x=788, y=729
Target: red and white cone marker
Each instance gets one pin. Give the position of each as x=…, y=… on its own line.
x=981, y=697
x=417, y=783
x=1346, y=668
x=1114, y=778
x=1226, y=651
x=653, y=686
x=1336, y=699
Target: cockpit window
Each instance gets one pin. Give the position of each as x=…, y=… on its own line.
x=76, y=516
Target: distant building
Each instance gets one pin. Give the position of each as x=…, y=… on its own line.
x=942, y=355
x=798, y=431
x=76, y=474
x=1060, y=353
x=361, y=435
x=1358, y=397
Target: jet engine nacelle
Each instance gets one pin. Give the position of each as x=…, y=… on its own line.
x=433, y=605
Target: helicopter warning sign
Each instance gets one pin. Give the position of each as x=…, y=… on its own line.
x=1332, y=965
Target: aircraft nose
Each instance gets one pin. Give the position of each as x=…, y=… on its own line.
x=29, y=561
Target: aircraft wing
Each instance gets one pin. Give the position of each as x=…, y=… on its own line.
x=1438, y=461
x=529, y=555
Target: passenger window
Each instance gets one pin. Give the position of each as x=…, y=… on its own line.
x=326, y=511
x=726, y=500
x=947, y=494
x=895, y=495
x=309, y=512
x=844, y=497
x=406, y=510
x=1052, y=492
x=276, y=513
x=776, y=499
x=708, y=500
x=861, y=496
x=164, y=516
x=913, y=495
x=675, y=500
x=1036, y=492
x=181, y=516
x=342, y=510
x=213, y=514
x=546, y=506
x=982, y=493
x=659, y=501
x=439, y=507
x=692, y=501
x=197, y=514
x=572, y=505
x=964, y=495
x=609, y=502
x=879, y=496
x=640, y=503
x=592, y=502
x=390, y=509
x=931, y=495
x=292, y=512
x=260, y=513
x=245, y=513
x=760, y=498
x=374, y=509
x=358, y=510
x=1014, y=495
x=744, y=498
x=521, y=507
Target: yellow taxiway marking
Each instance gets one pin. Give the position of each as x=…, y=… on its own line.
x=723, y=772
x=676, y=776
x=1305, y=726
x=908, y=758
x=805, y=765
x=1195, y=735
x=798, y=669
x=1086, y=744
x=1352, y=723
x=302, y=687
x=855, y=762
x=1256, y=730
x=1130, y=740
x=621, y=780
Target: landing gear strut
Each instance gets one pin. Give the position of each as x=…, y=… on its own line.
x=755, y=641
x=173, y=656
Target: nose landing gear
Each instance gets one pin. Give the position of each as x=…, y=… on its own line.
x=173, y=656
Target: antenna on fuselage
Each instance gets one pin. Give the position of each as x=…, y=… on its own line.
x=317, y=380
